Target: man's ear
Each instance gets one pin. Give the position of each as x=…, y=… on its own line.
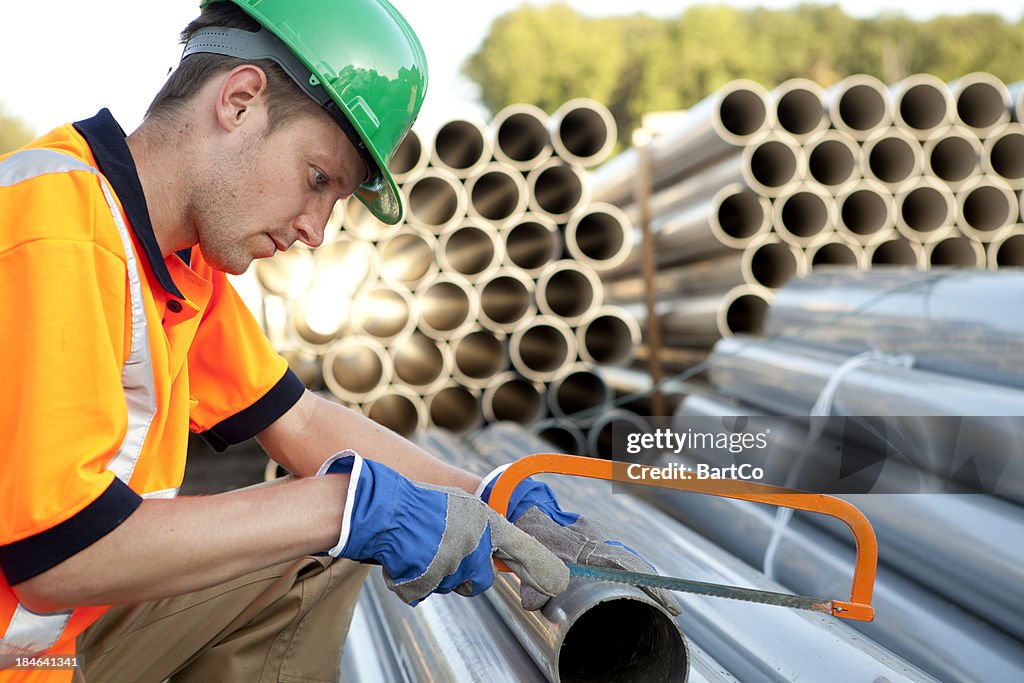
x=242, y=95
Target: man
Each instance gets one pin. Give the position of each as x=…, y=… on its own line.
x=120, y=332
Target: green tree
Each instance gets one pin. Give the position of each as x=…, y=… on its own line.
x=13, y=132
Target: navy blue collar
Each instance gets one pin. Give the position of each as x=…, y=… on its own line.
x=107, y=141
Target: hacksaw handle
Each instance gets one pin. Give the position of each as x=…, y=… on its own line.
x=859, y=605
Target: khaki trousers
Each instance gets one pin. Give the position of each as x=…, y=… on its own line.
x=285, y=624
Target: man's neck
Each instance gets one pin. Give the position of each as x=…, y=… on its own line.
x=163, y=166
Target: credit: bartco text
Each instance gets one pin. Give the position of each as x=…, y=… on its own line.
x=745, y=472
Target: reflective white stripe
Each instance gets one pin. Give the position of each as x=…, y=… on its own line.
x=28, y=632
x=166, y=493
x=350, y=497
x=495, y=473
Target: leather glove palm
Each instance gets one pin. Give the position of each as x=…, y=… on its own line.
x=572, y=537
x=431, y=539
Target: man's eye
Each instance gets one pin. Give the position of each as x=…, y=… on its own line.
x=320, y=178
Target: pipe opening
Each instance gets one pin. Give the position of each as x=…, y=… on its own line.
x=862, y=107
x=599, y=235
x=925, y=209
x=892, y=160
x=831, y=162
x=865, y=212
x=923, y=107
x=743, y=112
x=568, y=293
x=432, y=201
x=455, y=409
x=804, y=214
x=479, y=355
x=800, y=111
x=579, y=391
x=1007, y=156
x=954, y=251
x=564, y=439
x=542, y=348
x=608, y=340
x=773, y=264
x=741, y=215
x=1011, y=252
x=644, y=645
x=445, y=306
x=470, y=250
x=773, y=163
x=505, y=300
x=516, y=400
x=382, y=313
x=459, y=145
x=496, y=196
x=531, y=245
x=953, y=159
x=986, y=208
x=558, y=189
x=419, y=361
x=834, y=254
x=522, y=137
x=357, y=370
x=408, y=156
x=583, y=132
x=397, y=412
x=609, y=432
x=407, y=258
x=980, y=105
x=746, y=314
x=896, y=253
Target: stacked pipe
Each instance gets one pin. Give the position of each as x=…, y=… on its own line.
x=756, y=187
x=948, y=559
x=485, y=304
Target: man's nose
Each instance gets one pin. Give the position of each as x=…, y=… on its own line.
x=311, y=228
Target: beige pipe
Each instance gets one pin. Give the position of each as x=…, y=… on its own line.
x=287, y=273
x=532, y=242
x=521, y=137
x=805, y=215
x=896, y=251
x=581, y=390
x=800, y=108
x=956, y=250
x=987, y=208
x=608, y=336
x=319, y=317
x=362, y=225
x=399, y=409
x=506, y=300
x=859, y=104
x=922, y=104
x=344, y=265
x=953, y=155
x=981, y=102
x=455, y=408
x=436, y=200
x=925, y=210
x=772, y=162
x=357, y=369
x=543, y=350
x=700, y=277
x=568, y=290
x=558, y=189
x=421, y=363
x=833, y=160
x=472, y=249
x=387, y=311
x=892, y=157
x=769, y=263
x=410, y=158
x=866, y=212
x=583, y=132
x=478, y=356
x=1003, y=154
x=448, y=306
x=1007, y=252
x=409, y=257
x=563, y=435
x=512, y=397
x=837, y=251
x=306, y=365
x=461, y=147
x=497, y=194
x=600, y=236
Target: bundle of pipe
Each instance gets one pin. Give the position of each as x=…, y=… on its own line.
x=747, y=641
x=756, y=187
x=485, y=303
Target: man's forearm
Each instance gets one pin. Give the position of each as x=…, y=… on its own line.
x=170, y=547
x=316, y=428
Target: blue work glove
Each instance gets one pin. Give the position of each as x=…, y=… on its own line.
x=431, y=539
x=572, y=537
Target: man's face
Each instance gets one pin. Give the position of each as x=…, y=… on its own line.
x=265, y=191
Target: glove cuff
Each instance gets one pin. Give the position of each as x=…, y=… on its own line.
x=483, y=491
x=351, y=463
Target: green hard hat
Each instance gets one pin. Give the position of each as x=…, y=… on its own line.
x=359, y=59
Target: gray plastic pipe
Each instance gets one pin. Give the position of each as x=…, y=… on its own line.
x=859, y=104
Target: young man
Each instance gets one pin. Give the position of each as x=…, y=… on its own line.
x=121, y=332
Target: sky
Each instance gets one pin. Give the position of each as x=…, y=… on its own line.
x=52, y=71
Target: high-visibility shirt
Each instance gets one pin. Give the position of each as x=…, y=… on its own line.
x=109, y=354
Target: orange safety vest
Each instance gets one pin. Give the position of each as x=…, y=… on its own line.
x=109, y=354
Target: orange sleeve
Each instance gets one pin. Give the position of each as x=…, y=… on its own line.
x=239, y=384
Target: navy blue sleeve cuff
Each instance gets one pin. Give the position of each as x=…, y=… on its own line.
x=29, y=557
x=258, y=416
